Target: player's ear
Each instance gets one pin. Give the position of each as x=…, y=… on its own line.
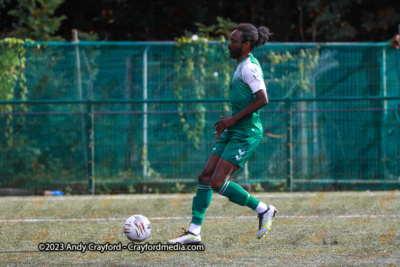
x=247, y=45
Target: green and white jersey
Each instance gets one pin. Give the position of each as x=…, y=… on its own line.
x=247, y=80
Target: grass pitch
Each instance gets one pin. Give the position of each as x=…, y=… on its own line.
x=323, y=229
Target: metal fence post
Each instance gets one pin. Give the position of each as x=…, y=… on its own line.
x=90, y=147
x=75, y=42
x=289, y=144
x=145, y=122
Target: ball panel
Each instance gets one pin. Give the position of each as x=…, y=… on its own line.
x=137, y=228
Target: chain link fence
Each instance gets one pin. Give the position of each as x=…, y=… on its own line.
x=137, y=117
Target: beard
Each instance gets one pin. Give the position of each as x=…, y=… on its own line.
x=235, y=53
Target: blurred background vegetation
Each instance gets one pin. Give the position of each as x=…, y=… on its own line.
x=26, y=161
x=127, y=20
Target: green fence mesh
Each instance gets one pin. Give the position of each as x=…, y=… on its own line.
x=140, y=115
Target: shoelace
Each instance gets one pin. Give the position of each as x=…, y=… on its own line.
x=186, y=232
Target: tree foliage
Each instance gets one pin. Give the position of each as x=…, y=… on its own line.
x=347, y=20
x=36, y=20
x=290, y=20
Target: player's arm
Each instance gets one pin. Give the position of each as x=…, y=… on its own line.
x=252, y=75
x=258, y=102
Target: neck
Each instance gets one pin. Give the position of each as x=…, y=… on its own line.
x=243, y=56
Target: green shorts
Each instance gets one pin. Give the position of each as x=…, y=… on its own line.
x=234, y=149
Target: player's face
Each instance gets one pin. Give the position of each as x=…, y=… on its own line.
x=235, y=44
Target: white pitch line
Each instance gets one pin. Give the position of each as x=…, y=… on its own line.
x=52, y=198
x=259, y=195
x=210, y=217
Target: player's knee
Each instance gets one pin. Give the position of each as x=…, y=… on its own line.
x=204, y=177
x=216, y=185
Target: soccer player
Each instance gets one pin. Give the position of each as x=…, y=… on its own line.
x=237, y=136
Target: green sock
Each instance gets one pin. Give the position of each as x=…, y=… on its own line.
x=201, y=202
x=236, y=194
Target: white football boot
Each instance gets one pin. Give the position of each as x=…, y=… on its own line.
x=186, y=238
x=266, y=221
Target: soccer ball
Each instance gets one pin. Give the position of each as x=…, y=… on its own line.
x=137, y=228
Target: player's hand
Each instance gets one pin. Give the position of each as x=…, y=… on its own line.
x=223, y=124
x=218, y=136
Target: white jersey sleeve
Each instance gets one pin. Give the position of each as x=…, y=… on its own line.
x=252, y=75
